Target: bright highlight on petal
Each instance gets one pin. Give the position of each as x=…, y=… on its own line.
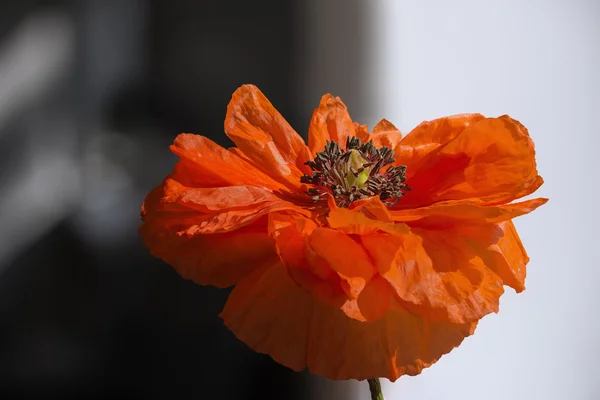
x=362, y=255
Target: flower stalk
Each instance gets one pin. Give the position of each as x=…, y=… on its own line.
x=375, y=388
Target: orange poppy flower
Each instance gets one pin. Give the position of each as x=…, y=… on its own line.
x=361, y=255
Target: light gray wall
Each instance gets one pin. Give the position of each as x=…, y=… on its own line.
x=538, y=61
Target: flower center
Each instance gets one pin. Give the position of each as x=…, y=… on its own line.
x=356, y=173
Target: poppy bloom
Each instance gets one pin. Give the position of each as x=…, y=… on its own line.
x=361, y=255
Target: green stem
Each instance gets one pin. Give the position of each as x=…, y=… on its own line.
x=375, y=387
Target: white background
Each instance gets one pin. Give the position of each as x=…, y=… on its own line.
x=538, y=61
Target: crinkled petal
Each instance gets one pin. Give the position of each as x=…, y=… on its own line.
x=212, y=236
x=265, y=137
x=498, y=246
x=291, y=234
x=360, y=222
x=361, y=131
x=219, y=260
x=508, y=258
x=272, y=315
x=436, y=274
x=328, y=264
x=385, y=134
x=416, y=147
x=343, y=255
x=204, y=163
x=191, y=211
x=330, y=122
x=482, y=160
x=451, y=213
x=374, y=300
x=372, y=207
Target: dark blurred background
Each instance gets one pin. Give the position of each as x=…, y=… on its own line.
x=92, y=92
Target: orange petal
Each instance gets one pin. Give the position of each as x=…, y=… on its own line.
x=269, y=313
x=191, y=211
x=385, y=134
x=344, y=256
x=361, y=131
x=374, y=300
x=456, y=212
x=220, y=260
x=179, y=225
x=498, y=246
x=291, y=234
x=373, y=207
x=508, y=258
x=330, y=265
x=490, y=160
x=357, y=222
x=417, y=146
x=436, y=273
x=265, y=137
x=204, y=163
x=330, y=121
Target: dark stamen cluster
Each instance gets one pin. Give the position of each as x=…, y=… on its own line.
x=332, y=172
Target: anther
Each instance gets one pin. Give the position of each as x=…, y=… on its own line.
x=356, y=173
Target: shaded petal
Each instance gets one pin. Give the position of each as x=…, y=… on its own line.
x=329, y=265
x=374, y=300
x=455, y=212
x=191, y=211
x=269, y=313
x=372, y=207
x=291, y=234
x=265, y=137
x=210, y=235
x=220, y=260
x=345, y=256
x=508, y=258
x=204, y=163
x=330, y=121
x=490, y=160
x=498, y=246
x=436, y=273
x=418, y=145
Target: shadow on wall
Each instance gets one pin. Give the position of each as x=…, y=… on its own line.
x=84, y=309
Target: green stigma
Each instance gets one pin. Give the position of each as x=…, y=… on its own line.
x=356, y=163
